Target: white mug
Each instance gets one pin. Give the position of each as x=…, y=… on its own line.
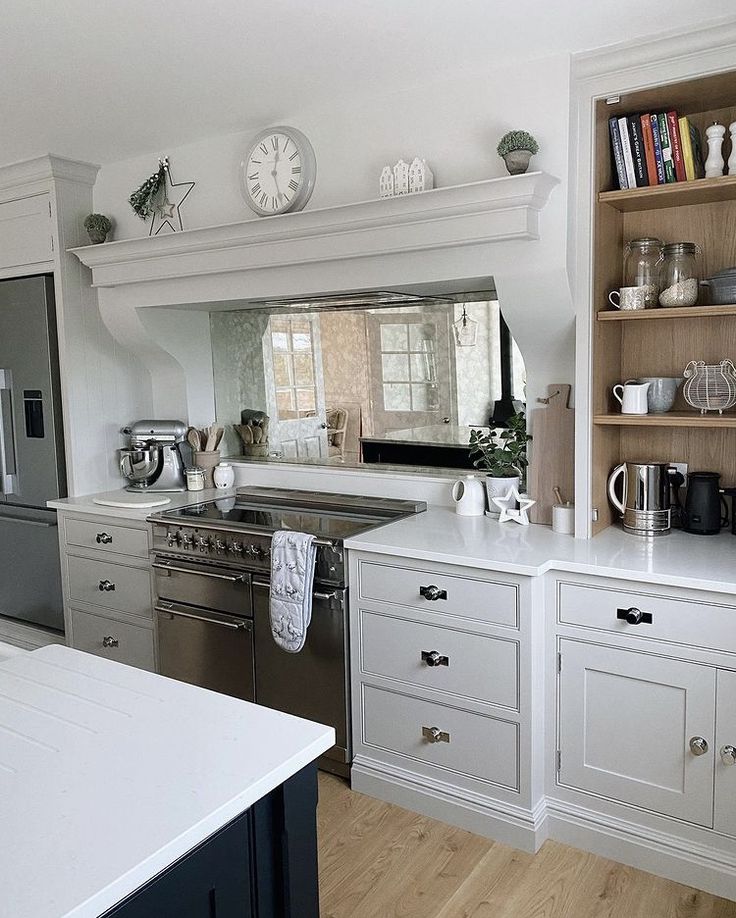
x=632, y=397
x=630, y=297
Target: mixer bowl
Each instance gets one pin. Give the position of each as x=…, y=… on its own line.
x=140, y=464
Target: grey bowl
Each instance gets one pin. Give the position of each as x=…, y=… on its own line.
x=661, y=393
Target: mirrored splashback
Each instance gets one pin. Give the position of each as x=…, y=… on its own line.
x=370, y=387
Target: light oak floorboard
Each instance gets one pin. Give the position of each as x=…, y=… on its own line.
x=381, y=861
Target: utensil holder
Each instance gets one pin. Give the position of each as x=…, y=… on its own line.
x=207, y=460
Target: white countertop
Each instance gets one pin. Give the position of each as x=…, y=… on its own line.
x=109, y=774
x=86, y=503
x=439, y=534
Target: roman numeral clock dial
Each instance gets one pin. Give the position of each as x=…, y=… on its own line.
x=278, y=172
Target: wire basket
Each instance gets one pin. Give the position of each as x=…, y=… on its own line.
x=710, y=387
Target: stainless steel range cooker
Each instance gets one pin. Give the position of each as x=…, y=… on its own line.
x=212, y=564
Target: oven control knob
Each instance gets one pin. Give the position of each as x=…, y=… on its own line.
x=173, y=538
x=236, y=547
x=253, y=551
x=220, y=546
x=187, y=541
x=204, y=543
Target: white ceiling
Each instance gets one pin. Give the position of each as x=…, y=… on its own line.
x=103, y=80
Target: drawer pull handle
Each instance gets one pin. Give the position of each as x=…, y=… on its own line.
x=110, y=641
x=728, y=755
x=103, y=538
x=432, y=592
x=106, y=586
x=434, y=658
x=435, y=735
x=634, y=616
x=698, y=745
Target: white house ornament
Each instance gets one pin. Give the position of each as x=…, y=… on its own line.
x=386, y=183
x=714, y=161
x=514, y=506
x=420, y=176
x=401, y=178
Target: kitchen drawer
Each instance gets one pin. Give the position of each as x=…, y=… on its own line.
x=102, y=537
x=115, y=640
x=675, y=619
x=115, y=586
x=472, y=666
x=489, y=601
x=479, y=746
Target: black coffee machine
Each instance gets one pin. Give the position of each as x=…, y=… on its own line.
x=705, y=511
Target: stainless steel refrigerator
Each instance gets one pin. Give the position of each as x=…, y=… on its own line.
x=32, y=467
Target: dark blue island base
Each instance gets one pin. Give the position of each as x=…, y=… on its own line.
x=261, y=865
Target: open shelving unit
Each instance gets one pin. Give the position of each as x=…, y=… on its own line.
x=661, y=342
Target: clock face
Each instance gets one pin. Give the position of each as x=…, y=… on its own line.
x=278, y=173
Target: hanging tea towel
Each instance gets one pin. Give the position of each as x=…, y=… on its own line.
x=292, y=579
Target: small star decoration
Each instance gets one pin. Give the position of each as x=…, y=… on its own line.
x=518, y=515
x=166, y=213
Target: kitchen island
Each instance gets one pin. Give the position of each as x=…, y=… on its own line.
x=127, y=794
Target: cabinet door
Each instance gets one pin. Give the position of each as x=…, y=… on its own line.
x=725, y=809
x=25, y=232
x=626, y=723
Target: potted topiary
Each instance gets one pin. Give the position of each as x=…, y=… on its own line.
x=516, y=149
x=97, y=226
x=503, y=455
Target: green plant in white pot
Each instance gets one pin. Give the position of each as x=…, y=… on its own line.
x=516, y=149
x=503, y=455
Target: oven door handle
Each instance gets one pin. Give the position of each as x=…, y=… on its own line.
x=234, y=625
x=259, y=584
x=198, y=572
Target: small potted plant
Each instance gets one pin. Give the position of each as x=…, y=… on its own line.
x=97, y=226
x=516, y=149
x=502, y=454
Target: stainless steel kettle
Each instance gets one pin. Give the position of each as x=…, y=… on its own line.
x=644, y=504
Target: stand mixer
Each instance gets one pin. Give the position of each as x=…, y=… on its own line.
x=153, y=459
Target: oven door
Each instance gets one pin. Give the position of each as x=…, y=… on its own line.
x=206, y=648
x=207, y=585
x=314, y=682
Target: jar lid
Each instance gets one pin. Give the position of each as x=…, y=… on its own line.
x=646, y=242
x=681, y=248
x=194, y=470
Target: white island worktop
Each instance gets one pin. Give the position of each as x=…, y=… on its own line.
x=109, y=774
x=441, y=535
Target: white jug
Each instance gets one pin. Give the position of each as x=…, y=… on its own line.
x=633, y=396
x=469, y=496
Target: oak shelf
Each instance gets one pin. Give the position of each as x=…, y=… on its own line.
x=677, y=194
x=680, y=312
x=669, y=419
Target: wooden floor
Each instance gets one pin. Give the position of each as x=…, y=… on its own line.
x=379, y=861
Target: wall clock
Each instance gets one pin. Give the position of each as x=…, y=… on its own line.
x=278, y=172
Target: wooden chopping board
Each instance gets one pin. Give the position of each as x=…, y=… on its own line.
x=552, y=452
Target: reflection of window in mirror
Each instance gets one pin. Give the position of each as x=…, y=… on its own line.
x=373, y=386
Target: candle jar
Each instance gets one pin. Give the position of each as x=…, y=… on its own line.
x=679, y=275
x=642, y=262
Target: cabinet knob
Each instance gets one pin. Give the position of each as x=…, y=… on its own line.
x=434, y=658
x=435, y=735
x=698, y=745
x=103, y=538
x=634, y=616
x=106, y=586
x=110, y=641
x=432, y=592
x=728, y=755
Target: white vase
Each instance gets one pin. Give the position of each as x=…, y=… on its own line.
x=224, y=475
x=499, y=487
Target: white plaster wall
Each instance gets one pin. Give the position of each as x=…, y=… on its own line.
x=455, y=123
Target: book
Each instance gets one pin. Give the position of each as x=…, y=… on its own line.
x=687, y=148
x=657, y=150
x=664, y=138
x=618, y=153
x=637, y=151
x=646, y=133
x=697, y=148
x=674, y=131
x=623, y=128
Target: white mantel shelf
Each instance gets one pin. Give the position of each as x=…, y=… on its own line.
x=479, y=213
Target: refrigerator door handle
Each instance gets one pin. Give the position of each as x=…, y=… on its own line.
x=8, y=469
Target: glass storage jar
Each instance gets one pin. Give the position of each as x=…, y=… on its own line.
x=679, y=276
x=642, y=262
